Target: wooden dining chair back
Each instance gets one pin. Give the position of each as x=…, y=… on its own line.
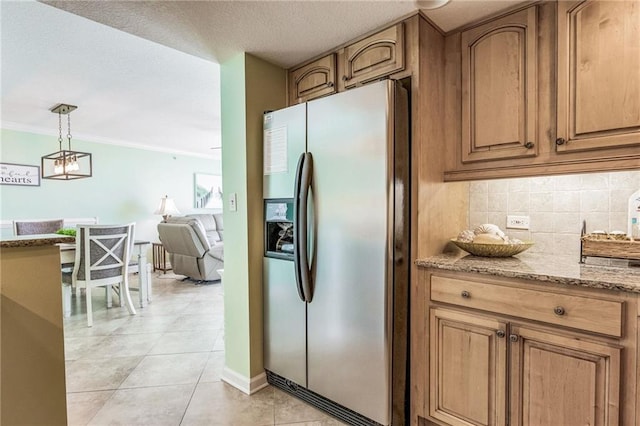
x=102, y=260
x=33, y=227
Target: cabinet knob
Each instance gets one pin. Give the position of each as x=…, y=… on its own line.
x=465, y=294
x=500, y=333
x=529, y=145
x=345, y=78
x=560, y=141
x=559, y=310
x=330, y=84
x=513, y=337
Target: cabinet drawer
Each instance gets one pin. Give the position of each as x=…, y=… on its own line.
x=585, y=313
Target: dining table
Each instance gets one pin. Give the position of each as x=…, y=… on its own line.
x=138, y=264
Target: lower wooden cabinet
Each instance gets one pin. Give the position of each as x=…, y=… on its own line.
x=551, y=379
x=488, y=367
x=468, y=359
x=562, y=380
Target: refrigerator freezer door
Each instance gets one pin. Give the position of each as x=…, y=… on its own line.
x=348, y=321
x=284, y=322
x=284, y=140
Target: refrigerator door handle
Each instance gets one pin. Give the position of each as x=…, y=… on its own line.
x=296, y=226
x=302, y=218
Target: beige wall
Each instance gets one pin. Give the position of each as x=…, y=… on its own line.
x=249, y=86
x=266, y=90
x=557, y=205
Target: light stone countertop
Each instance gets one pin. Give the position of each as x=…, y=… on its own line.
x=544, y=268
x=35, y=240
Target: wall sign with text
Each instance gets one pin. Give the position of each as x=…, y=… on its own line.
x=19, y=174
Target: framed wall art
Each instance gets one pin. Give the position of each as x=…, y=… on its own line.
x=207, y=191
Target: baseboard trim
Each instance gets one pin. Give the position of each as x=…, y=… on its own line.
x=244, y=384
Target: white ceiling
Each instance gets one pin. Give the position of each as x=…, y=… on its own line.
x=145, y=73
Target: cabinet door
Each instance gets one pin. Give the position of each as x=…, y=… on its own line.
x=499, y=96
x=598, y=75
x=467, y=369
x=313, y=80
x=559, y=380
x=376, y=56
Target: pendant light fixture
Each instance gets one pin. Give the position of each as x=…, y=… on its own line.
x=66, y=164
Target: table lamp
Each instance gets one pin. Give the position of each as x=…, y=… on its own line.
x=166, y=208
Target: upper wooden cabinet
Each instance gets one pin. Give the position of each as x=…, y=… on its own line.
x=549, y=88
x=598, y=75
x=374, y=57
x=371, y=58
x=499, y=108
x=313, y=80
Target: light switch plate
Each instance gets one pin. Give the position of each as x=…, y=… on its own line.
x=518, y=222
x=233, y=202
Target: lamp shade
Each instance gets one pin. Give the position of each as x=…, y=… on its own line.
x=167, y=207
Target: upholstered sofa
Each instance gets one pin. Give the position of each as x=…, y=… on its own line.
x=195, y=245
x=212, y=224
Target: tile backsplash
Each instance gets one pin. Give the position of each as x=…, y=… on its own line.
x=556, y=206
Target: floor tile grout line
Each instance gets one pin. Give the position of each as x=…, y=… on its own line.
x=103, y=404
x=186, y=408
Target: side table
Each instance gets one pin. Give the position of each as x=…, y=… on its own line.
x=160, y=256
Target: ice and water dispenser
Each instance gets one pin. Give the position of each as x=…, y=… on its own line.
x=278, y=228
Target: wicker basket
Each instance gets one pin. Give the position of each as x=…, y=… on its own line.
x=613, y=249
x=493, y=250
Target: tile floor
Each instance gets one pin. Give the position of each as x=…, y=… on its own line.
x=163, y=365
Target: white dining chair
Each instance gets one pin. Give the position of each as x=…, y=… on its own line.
x=102, y=260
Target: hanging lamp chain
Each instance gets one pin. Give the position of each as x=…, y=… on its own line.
x=69, y=130
x=60, y=130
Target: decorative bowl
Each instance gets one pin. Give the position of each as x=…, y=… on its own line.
x=492, y=250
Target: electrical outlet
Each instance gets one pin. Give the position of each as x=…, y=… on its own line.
x=518, y=222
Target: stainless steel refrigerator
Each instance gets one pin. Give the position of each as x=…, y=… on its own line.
x=336, y=265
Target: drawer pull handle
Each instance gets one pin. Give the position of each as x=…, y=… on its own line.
x=559, y=310
x=513, y=337
x=500, y=333
x=465, y=294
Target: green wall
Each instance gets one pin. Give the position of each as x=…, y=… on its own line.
x=249, y=86
x=126, y=185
